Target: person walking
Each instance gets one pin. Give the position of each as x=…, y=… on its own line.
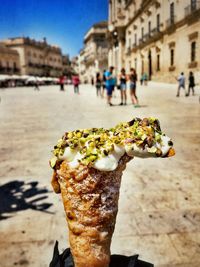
x=98, y=84
x=191, y=83
x=92, y=81
x=109, y=84
x=76, y=82
x=181, y=83
x=133, y=83
x=36, y=88
x=123, y=79
x=61, y=82
x=104, y=84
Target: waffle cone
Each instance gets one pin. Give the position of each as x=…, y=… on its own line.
x=90, y=199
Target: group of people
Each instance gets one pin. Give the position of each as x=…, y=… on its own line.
x=181, y=83
x=109, y=81
x=75, y=82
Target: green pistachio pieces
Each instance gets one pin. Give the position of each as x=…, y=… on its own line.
x=94, y=143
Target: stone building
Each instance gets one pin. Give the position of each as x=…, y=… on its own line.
x=82, y=67
x=66, y=65
x=36, y=58
x=9, y=61
x=157, y=37
x=75, y=64
x=94, y=56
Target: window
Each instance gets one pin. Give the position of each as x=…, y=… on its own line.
x=142, y=32
x=129, y=65
x=135, y=37
x=158, y=22
x=129, y=45
x=14, y=65
x=172, y=13
x=135, y=63
x=158, y=62
x=193, y=51
x=172, y=57
x=149, y=26
x=193, y=5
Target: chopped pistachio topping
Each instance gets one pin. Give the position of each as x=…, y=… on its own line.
x=95, y=143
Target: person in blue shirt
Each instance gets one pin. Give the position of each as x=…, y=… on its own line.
x=110, y=84
x=181, y=84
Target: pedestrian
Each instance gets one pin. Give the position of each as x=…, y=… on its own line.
x=133, y=83
x=181, y=83
x=36, y=85
x=141, y=80
x=123, y=79
x=76, y=82
x=92, y=81
x=104, y=84
x=145, y=78
x=109, y=84
x=114, y=85
x=191, y=83
x=61, y=82
x=98, y=84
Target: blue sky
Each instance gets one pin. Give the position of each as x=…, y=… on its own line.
x=62, y=22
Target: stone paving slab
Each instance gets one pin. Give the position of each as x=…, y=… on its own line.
x=159, y=206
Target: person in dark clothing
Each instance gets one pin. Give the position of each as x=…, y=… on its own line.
x=123, y=79
x=98, y=84
x=104, y=84
x=61, y=82
x=191, y=83
x=92, y=81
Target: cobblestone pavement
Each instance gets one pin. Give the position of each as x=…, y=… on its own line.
x=159, y=207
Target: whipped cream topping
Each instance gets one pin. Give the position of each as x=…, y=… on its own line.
x=102, y=149
x=110, y=162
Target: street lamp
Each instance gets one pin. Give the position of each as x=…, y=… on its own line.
x=111, y=27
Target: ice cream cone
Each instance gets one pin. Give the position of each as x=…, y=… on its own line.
x=88, y=165
x=90, y=199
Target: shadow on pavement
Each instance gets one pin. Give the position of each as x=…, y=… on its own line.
x=18, y=196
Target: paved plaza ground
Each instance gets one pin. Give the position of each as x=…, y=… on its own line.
x=159, y=206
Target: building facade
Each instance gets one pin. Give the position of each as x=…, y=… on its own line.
x=36, y=58
x=66, y=66
x=82, y=69
x=94, y=56
x=9, y=61
x=157, y=37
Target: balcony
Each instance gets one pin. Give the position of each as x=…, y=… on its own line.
x=192, y=13
x=152, y=36
x=170, y=24
x=192, y=9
